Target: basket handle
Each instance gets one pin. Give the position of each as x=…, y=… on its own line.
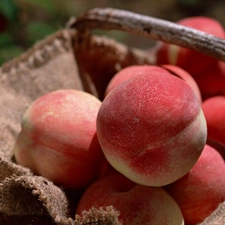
x=158, y=29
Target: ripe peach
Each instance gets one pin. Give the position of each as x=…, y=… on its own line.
x=131, y=71
x=211, y=81
x=199, y=192
x=58, y=138
x=218, y=146
x=184, y=75
x=151, y=128
x=214, y=111
x=137, y=204
x=191, y=61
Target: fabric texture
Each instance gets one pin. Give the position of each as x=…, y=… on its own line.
x=64, y=60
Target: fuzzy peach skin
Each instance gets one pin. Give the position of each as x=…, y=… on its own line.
x=132, y=71
x=216, y=145
x=200, y=191
x=211, y=81
x=152, y=129
x=191, y=61
x=184, y=75
x=137, y=204
x=58, y=138
x=214, y=111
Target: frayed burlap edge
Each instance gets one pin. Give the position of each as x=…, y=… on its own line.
x=49, y=65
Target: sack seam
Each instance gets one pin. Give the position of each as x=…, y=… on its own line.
x=41, y=53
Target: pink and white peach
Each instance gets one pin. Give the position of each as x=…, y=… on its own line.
x=58, y=138
x=152, y=128
x=137, y=204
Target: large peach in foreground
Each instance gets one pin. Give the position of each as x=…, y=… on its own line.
x=199, y=192
x=137, y=204
x=152, y=129
x=58, y=138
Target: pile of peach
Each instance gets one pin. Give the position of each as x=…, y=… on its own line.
x=153, y=148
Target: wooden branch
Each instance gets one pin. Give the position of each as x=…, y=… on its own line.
x=158, y=29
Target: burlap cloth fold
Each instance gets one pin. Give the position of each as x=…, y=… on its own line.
x=63, y=60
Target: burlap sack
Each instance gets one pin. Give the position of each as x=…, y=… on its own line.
x=63, y=60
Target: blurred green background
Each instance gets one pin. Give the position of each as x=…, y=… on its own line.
x=24, y=22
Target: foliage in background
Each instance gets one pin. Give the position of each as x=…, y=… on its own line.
x=24, y=22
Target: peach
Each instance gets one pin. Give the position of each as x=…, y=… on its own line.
x=184, y=75
x=200, y=191
x=218, y=146
x=191, y=61
x=131, y=71
x=211, y=81
x=137, y=204
x=58, y=138
x=214, y=111
x=152, y=129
